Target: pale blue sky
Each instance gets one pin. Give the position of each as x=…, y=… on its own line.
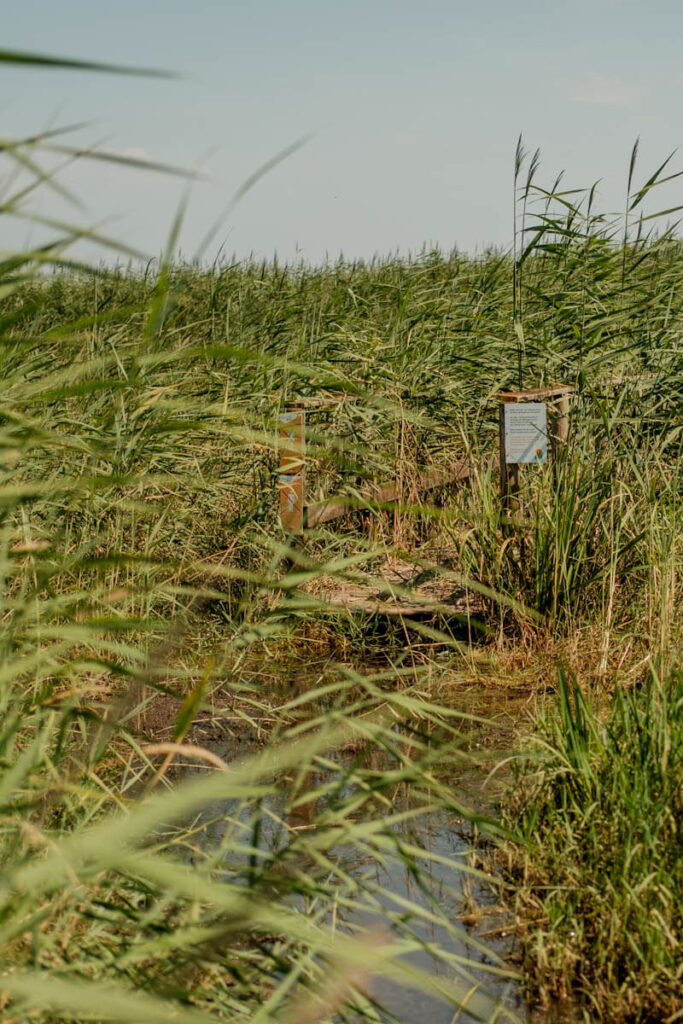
x=414, y=109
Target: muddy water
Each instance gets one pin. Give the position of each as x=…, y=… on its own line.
x=483, y=938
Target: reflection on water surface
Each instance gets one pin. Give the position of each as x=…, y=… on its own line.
x=451, y=912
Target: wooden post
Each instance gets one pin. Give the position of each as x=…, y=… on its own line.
x=558, y=430
x=509, y=472
x=292, y=480
x=558, y=424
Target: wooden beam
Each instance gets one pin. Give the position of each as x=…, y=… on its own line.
x=322, y=403
x=386, y=493
x=534, y=394
x=378, y=606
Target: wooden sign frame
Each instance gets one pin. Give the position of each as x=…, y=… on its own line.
x=557, y=398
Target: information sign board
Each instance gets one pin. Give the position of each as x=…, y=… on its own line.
x=526, y=432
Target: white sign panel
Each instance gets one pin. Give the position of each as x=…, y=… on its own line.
x=526, y=432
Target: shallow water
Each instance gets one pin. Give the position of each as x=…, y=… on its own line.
x=482, y=937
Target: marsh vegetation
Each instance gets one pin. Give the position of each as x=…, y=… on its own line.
x=147, y=583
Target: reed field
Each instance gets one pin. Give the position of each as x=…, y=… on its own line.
x=150, y=596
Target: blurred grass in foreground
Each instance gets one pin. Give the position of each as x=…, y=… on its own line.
x=599, y=874
x=123, y=458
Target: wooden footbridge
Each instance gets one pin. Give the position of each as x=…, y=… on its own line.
x=298, y=515
x=401, y=590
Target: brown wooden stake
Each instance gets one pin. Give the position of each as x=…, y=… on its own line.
x=292, y=480
x=509, y=474
x=560, y=419
x=502, y=466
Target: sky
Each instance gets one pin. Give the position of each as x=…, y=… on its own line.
x=410, y=112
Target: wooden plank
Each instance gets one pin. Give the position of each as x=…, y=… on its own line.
x=292, y=479
x=382, y=494
x=375, y=596
x=534, y=394
x=377, y=606
x=328, y=402
x=639, y=381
